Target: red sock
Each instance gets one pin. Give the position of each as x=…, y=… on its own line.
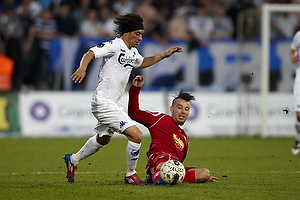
x=189, y=177
x=156, y=175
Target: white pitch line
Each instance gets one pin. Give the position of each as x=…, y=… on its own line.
x=43, y=173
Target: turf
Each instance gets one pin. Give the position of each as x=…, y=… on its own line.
x=247, y=168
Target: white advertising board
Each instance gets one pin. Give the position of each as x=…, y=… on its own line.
x=55, y=114
x=67, y=114
x=230, y=114
x=63, y=114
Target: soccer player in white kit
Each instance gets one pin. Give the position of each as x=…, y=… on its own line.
x=119, y=56
x=294, y=54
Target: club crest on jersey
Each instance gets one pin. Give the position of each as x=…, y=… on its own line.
x=126, y=61
x=122, y=123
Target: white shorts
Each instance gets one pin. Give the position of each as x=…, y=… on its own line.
x=111, y=118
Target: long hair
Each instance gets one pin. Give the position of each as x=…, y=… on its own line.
x=124, y=23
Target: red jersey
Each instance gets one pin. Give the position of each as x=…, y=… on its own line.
x=166, y=135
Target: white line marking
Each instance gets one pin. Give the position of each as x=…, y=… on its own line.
x=44, y=173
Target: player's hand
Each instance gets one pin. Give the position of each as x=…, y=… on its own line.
x=173, y=50
x=295, y=58
x=78, y=75
x=138, y=81
x=213, y=179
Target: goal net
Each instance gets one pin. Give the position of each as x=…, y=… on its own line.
x=267, y=10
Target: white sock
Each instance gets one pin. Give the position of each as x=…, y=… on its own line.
x=89, y=148
x=297, y=125
x=132, y=155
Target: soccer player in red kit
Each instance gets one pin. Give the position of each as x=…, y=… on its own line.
x=168, y=139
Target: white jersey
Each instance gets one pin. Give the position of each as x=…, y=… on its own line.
x=296, y=46
x=116, y=66
x=296, y=41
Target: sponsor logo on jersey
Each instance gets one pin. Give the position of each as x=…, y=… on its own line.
x=178, y=142
x=126, y=61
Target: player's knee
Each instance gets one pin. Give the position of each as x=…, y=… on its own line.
x=104, y=140
x=138, y=137
x=298, y=117
x=134, y=134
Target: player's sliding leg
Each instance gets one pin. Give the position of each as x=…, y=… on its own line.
x=157, y=180
x=134, y=135
x=296, y=146
x=89, y=148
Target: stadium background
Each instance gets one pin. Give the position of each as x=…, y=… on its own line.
x=224, y=76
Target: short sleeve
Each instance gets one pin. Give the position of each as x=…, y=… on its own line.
x=296, y=42
x=139, y=58
x=103, y=49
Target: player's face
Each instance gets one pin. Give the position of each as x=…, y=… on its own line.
x=180, y=111
x=135, y=37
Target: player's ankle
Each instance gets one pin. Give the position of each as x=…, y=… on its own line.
x=156, y=175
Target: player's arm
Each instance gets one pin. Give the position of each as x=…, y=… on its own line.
x=148, y=61
x=80, y=73
x=134, y=111
x=294, y=56
x=133, y=103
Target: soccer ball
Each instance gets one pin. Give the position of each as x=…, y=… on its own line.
x=172, y=172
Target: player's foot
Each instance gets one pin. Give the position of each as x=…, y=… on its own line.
x=134, y=180
x=159, y=182
x=70, y=168
x=296, y=148
x=149, y=178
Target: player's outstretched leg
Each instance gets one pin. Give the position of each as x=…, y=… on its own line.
x=156, y=179
x=134, y=180
x=71, y=168
x=296, y=148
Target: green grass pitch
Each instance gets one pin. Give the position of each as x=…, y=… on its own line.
x=247, y=168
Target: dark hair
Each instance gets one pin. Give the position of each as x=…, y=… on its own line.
x=183, y=95
x=127, y=23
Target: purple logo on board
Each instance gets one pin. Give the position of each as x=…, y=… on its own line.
x=195, y=113
x=40, y=111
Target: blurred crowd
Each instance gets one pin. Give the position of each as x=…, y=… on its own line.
x=27, y=27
